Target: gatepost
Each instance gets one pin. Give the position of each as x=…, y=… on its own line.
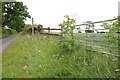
x=118, y=71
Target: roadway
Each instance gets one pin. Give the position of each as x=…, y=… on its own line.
x=5, y=42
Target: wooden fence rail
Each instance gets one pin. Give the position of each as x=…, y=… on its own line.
x=49, y=29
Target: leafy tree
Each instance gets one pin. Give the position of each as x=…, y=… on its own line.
x=14, y=14
x=69, y=25
x=113, y=26
x=27, y=25
x=89, y=31
x=68, y=45
x=39, y=27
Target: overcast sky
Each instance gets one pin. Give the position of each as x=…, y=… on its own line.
x=51, y=12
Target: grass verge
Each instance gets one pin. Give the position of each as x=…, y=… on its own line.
x=40, y=57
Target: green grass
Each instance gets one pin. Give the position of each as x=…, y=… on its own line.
x=40, y=57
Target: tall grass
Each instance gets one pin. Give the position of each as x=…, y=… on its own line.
x=41, y=57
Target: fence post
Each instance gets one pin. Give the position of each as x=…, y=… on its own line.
x=61, y=31
x=32, y=27
x=62, y=35
x=118, y=72
x=48, y=30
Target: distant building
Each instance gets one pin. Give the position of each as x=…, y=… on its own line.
x=95, y=30
x=102, y=31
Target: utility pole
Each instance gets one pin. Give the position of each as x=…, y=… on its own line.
x=32, y=26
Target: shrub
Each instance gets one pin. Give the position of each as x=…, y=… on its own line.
x=69, y=26
x=39, y=27
x=79, y=32
x=67, y=45
x=113, y=26
x=89, y=31
x=8, y=32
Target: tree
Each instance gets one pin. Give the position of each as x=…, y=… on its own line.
x=39, y=27
x=68, y=45
x=69, y=25
x=14, y=14
x=113, y=26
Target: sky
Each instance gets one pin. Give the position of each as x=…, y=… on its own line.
x=51, y=12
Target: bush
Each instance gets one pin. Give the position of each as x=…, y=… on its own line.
x=8, y=32
x=67, y=45
x=79, y=32
x=89, y=31
x=28, y=29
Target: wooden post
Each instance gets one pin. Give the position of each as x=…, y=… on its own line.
x=61, y=31
x=32, y=26
x=48, y=30
x=62, y=35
